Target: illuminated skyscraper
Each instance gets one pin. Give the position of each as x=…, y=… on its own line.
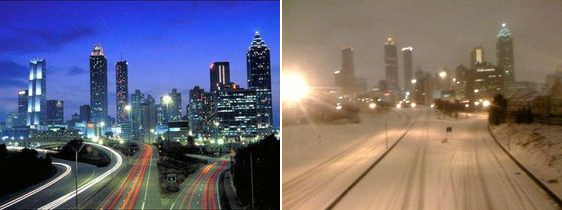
x=504, y=47
x=136, y=115
x=200, y=111
x=122, y=84
x=408, y=72
x=391, y=64
x=36, y=93
x=22, y=107
x=220, y=74
x=259, y=79
x=98, y=84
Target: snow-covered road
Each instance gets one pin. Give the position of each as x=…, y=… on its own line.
x=469, y=171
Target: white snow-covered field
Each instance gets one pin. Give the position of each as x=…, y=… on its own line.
x=538, y=147
x=321, y=160
x=468, y=171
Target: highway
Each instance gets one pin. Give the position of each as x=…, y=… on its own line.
x=200, y=190
x=467, y=171
x=59, y=190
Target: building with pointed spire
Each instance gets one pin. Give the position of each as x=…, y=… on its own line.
x=504, y=47
x=259, y=79
x=391, y=64
x=98, y=84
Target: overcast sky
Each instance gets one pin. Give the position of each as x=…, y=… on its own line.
x=442, y=32
x=167, y=45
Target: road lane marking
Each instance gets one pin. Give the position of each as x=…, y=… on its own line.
x=39, y=189
x=147, y=181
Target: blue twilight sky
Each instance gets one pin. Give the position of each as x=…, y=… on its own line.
x=167, y=45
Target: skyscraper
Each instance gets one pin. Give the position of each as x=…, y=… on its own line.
x=259, y=78
x=36, y=93
x=200, y=111
x=174, y=106
x=476, y=56
x=22, y=107
x=136, y=115
x=220, y=74
x=347, y=73
x=122, y=84
x=148, y=119
x=504, y=47
x=236, y=113
x=98, y=84
x=85, y=113
x=391, y=64
x=408, y=72
x=55, y=112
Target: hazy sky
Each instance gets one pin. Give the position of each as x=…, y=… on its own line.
x=167, y=45
x=442, y=32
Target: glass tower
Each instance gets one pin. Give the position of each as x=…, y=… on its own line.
x=98, y=84
x=36, y=93
x=259, y=79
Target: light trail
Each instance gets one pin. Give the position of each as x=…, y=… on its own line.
x=39, y=189
x=118, y=192
x=63, y=199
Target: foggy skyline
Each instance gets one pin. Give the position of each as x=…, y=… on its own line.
x=442, y=33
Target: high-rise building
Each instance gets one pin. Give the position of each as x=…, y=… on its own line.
x=504, y=47
x=85, y=113
x=98, y=84
x=200, y=111
x=488, y=81
x=22, y=108
x=476, y=56
x=408, y=72
x=236, y=113
x=122, y=80
x=173, y=108
x=391, y=64
x=36, y=93
x=55, y=112
x=136, y=115
x=220, y=74
x=259, y=79
x=464, y=83
x=12, y=119
x=148, y=121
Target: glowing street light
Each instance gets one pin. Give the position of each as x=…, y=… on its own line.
x=296, y=88
x=128, y=108
x=442, y=74
x=414, y=81
x=486, y=103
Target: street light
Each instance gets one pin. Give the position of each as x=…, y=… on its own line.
x=442, y=74
x=151, y=133
x=76, y=176
x=414, y=81
x=297, y=90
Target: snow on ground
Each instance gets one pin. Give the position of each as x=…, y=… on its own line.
x=321, y=160
x=538, y=147
x=469, y=171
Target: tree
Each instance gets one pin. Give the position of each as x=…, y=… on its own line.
x=498, y=110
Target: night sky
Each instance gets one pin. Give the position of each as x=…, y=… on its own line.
x=442, y=32
x=167, y=45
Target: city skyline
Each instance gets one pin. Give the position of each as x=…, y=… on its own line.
x=67, y=66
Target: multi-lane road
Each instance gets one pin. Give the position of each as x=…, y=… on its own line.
x=422, y=170
x=201, y=189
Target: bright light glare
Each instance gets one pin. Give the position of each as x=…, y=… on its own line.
x=372, y=105
x=398, y=106
x=167, y=99
x=486, y=103
x=413, y=105
x=338, y=107
x=442, y=74
x=128, y=108
x=295, y=88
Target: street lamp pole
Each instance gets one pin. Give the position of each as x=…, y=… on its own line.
x=252, y=178
x=386, y=128
x=76, y=174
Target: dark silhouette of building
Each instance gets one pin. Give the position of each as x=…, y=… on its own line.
x=220, y=75
x=504, y=47
x=391, y=64
x=22, y=107
x=137, y=99
x=122, y=85
x=408, y=72
x=85, y=113
x=346, y=77
x=98, y=84
x=55, y=112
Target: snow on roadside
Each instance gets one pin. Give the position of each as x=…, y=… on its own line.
x=538, y=147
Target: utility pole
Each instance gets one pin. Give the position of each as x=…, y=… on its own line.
x=76, y=174
x=252, y=178
x=386, y=129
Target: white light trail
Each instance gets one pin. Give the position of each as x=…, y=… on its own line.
x=63, y=199
x=39, y=189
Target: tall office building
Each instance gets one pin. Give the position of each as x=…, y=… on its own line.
x=36, y=93
x=236, y=113
x=122, y=84
x=391, y=64
x=408, y=72
x=259, y=79
x=12, y=120
x=488, y=81
x=55, y=112
x=200, y=111
x=346, y=75
x=174, y=106
x=22, y=108
x=504, y=47
x=98, y=84
x=136, y=116
x=148, y=119
x=85, y=113
x=220, y=74
x=476, y=56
